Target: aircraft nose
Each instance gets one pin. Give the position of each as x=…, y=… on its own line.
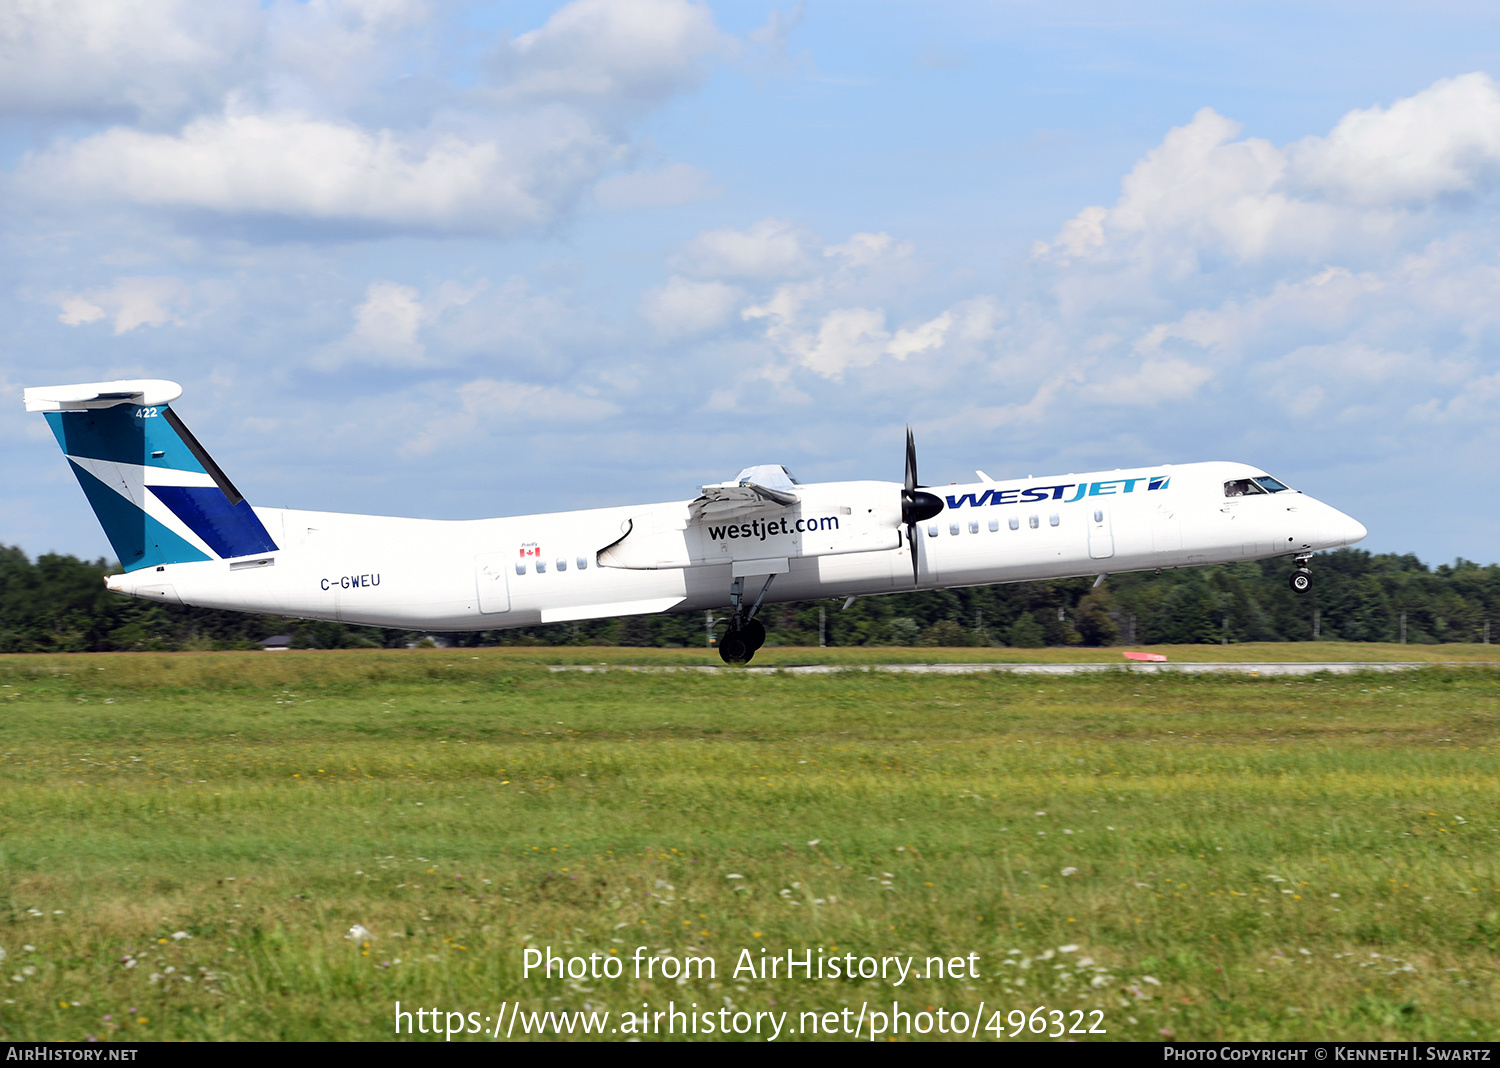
x=1346, y=530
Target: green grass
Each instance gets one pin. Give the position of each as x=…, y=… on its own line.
x=462, y=805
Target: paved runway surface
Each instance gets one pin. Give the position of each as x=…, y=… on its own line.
x=1335, y=668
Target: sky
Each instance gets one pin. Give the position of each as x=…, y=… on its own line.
x=458, y=260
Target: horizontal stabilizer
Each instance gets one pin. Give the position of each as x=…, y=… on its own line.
x=143, y=391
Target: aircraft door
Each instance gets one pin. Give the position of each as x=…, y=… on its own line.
x=490, y=576
x=1101, y=535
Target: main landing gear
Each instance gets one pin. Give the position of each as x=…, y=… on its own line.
x=1301, y=579
x=746, y=634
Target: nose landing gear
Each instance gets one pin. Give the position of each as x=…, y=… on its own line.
x=1300, y=580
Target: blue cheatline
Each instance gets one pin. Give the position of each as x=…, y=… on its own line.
x=137, y=539
x=229, y=530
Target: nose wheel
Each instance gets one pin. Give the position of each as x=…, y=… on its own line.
x=1300, y=580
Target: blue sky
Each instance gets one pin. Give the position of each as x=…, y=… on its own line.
x=457, y=260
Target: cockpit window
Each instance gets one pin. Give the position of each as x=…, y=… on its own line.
x=1248, y=487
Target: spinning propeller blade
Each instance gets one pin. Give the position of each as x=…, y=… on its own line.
x=916, y=505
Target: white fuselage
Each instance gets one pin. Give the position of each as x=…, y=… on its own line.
x=472, y=575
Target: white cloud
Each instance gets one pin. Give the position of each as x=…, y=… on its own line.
x=1370, y=187
x=153, y=60
x=1478, y=402
x=1199, y=191
x=1349, y=275
x=1338, y=332
x=388, y=324
x=325, y=53
x=815, y=321
x=677, y=183
x=611, y=52
x=1352, y=362
x=130, y=301
x=499, y=406
x=296, y=166
x=920, y=338
x=682, y=307
x=866, y=250
x=848, y=338
x=311, y=112
x=78, y=310
x=159, y=61
x=1442, y=141
x=1153, y=382
x=771, y=248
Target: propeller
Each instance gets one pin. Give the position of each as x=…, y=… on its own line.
x=916, y=504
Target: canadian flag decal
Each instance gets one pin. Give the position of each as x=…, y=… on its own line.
x=531, y=550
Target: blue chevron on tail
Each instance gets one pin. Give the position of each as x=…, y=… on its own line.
x=158, y=494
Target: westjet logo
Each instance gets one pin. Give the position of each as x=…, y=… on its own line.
x=762, y=529
x=1056, y=493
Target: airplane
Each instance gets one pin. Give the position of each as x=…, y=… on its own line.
x=184, y=534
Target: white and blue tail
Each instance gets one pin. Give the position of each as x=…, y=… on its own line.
x=158, y=494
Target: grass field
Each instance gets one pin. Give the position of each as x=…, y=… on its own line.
x=186, y=839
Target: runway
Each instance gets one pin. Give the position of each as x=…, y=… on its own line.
x=1266, y=669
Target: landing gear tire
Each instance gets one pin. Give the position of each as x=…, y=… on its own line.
x=740, y=643
x=733, y=648
x=1300, y=580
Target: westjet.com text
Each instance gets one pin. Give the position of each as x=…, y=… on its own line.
x=770, y=528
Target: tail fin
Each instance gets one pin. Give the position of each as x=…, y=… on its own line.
x=158, y=494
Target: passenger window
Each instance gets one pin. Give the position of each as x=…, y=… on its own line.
x=1015, y=522
x=973, y=526
x=932, y=531
x=994, y=525
x=583, y=563
x=541, y=567
x=1098, y=515
x=952, y=528
x=562, y=563
x=521, y=567
x=1033, y=522
x=1053, y=519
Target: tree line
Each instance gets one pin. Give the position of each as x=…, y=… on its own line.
x=58, y=603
